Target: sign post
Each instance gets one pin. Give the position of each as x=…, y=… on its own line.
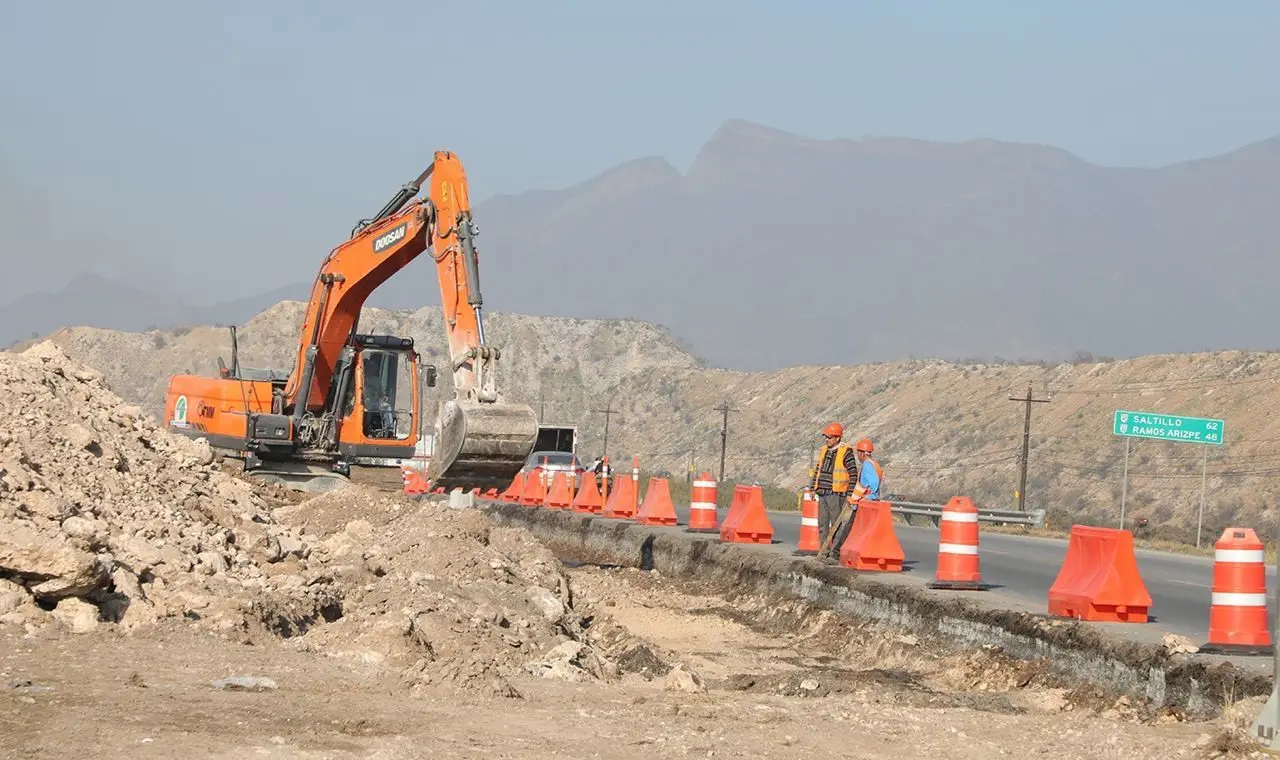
x=1268, y=720
x=1167, y=427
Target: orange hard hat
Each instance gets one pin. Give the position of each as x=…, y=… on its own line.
x=864, y=445
x=834, y=428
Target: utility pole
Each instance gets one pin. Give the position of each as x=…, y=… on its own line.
x=1026, y=444
x=724, y=434
x=608, y=412
x=542, y=406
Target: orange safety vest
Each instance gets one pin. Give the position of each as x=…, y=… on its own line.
x=839, y=473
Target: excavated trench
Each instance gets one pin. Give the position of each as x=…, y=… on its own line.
x=1072, y=654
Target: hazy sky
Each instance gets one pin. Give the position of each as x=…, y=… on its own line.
x=205, y=135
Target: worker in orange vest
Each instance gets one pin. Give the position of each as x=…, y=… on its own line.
x=837, y=469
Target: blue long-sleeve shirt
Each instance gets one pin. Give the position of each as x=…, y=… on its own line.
x=869, y=478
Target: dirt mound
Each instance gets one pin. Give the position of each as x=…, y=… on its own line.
x=441, y=594
x=105, y=517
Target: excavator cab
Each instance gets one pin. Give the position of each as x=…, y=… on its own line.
x=385, y=390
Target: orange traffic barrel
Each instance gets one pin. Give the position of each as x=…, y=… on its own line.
x=1238, y=608
x=810, y=539
x=958, y=547
x=702, y=505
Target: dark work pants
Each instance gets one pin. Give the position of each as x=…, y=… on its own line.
x=829, y=506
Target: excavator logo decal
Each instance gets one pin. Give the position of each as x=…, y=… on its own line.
x=387, y=239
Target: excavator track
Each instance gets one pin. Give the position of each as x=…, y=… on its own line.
x=481, y=445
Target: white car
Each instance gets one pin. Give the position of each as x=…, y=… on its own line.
x=548, y=463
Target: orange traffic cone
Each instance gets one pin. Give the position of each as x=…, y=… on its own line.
x=1238, y=611
x=810, y=540
x=657, y=508
x=958, y=547
x=702, y=505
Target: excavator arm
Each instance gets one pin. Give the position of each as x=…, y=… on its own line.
x=349, y=275
x=481, y=441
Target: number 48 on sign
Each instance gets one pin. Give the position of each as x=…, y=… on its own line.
x=1167, y=427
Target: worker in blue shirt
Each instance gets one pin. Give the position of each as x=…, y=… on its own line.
x=868, y=477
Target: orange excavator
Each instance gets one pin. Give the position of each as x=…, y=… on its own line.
x=354, y=397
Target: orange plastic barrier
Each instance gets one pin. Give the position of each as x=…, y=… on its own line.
x=535, y=489
x=873, y=543
x=1238, y=610
x=702, y=505
x=414, y=480
x=622, y=500
x=751, y=523
x=515, y=489
x=558, y=497
x=810, y=540
x=588, y=498
x=736, y=507
x=1099, y=578
x=657, y=508
x=958, y=547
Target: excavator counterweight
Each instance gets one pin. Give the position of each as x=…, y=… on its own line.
x=353, y=398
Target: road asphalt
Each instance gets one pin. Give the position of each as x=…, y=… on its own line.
x=1020, y=569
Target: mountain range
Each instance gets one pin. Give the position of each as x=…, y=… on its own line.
x=774, y=250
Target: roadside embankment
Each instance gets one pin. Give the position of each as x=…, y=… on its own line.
x=1078, y=653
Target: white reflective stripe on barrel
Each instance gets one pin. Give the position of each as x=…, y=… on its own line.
x=702, y=505
x=704, y=484
x=1239, y=555
x=959, y=516
x=957, y=549
x=809, y=522
x=1224, y=599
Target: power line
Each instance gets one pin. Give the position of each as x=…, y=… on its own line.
x=724, y=434
x=608, y=412
x=1026, y=444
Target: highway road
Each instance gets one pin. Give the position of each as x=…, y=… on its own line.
x=1020, y=570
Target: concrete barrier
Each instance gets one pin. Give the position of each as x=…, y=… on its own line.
x=1078, y=653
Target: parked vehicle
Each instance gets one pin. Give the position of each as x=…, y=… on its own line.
x=548, y=463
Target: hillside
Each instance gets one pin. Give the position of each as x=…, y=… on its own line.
x=950, y=250
x=570, y=361
x=941, y=428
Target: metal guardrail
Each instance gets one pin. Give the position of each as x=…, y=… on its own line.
x=1034, y=518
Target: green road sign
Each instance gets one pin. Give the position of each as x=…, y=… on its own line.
x=1167, y=427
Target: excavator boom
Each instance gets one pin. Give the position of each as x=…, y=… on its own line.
x=481, y=440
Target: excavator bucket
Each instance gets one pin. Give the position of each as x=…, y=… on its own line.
x=481, y=445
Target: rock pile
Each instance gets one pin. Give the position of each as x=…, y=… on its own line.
x=108, y=520
x=105, y=517
x=443, y=595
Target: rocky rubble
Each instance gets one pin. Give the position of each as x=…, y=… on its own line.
x=444, y=595
x=105, y=517
x=108, y=520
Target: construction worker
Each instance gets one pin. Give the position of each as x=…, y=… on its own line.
x=868, y=477
x=837, y=467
